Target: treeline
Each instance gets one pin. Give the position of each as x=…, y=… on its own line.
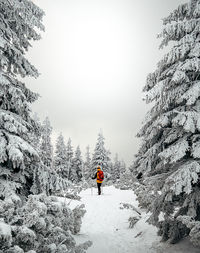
x=70, y=163
x=30, y=221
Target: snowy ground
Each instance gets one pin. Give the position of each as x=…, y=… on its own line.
x=107, y=226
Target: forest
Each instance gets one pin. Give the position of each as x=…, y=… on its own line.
x=40, y=180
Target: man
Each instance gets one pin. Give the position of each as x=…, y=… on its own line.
x=100, y=177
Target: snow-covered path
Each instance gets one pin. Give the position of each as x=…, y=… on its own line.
x=107, y=225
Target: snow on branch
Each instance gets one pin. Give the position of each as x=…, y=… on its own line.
x=194, y=226
x=179, y=77
x=175, y=152
x=13, y=123
x=188, y=120
x=190, y=65
x=182, y=180
x=196, y=149
x=176, y=30
x=191, y=95
x=178, y=14
x=155, y=92
x=17, y=148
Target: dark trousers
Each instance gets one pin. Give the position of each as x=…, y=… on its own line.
x=99, y=188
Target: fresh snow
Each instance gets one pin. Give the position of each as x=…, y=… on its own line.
x=5, y=230
x=107, y=226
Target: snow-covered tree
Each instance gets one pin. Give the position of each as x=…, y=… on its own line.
x=87, y=164
x=46, y=148
x=118, y=169
x=60, y=159
x=70, y=154
x=27, y=223
x=20, y=23
x=171, y=132
x=69, y=150
x=77, y=167
x=122, y=167
x=115, y=174
x=109, y=163
x=41, y=224
x=100, y=156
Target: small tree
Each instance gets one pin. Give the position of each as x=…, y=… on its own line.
x=69, y=156
x=115, y=174
x=77, y=167
x=87, y=164
x=60, y=159
x=100, y=156
x=46, y=148
x=109, y=163
x=69, y=150
x=122, y=167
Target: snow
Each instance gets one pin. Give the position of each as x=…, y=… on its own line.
x=5, y=233
x=161, y=216
x=107, y=225
x=175, y=152
x=182, y=179
x=5, y=229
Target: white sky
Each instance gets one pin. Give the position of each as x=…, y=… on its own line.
x=94, y=58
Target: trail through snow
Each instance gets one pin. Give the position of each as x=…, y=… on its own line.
x=106, y=225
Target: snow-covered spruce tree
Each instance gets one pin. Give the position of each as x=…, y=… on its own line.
x=70, y=155
x=171, y=132
x=122, y=167
x=70, y=152
x=109, y=164
x=46, y=148
x=77, y=167
x=126, y=181
x=100, y=156
x=60, y=159
x=87, y=164
x=53, y=180
x=20, y=22
x=115, y=174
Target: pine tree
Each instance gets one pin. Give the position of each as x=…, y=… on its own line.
x=169, y=157
x=69, y=150
x=46, y=148
x=20, y=23
x=109, y=164
x=115, y=175
x=100, y=156
x=77, y=167
x=70, y=154
x=122, y=167
x=60, y=159
x=87, y=164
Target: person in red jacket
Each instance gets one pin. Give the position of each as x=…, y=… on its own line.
x=100, y=177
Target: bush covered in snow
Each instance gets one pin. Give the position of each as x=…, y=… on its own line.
x=42, y=224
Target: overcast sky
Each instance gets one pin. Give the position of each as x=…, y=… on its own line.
x=94, y=58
